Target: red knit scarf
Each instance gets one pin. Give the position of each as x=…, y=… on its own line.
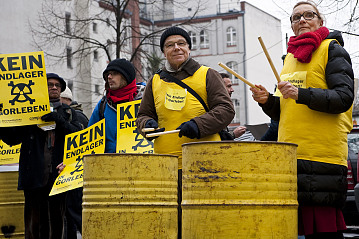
x=124, y=94
x=304, y=45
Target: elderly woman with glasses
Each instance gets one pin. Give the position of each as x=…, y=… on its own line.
x=313, y=103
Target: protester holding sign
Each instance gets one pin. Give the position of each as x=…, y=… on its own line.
x=120, y=86
x=74, y=196
x=41, y=152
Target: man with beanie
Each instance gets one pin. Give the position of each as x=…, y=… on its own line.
x=186, y=113
x=120, y=86
x=41, y=152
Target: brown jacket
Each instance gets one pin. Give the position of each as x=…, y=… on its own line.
x=221, y=111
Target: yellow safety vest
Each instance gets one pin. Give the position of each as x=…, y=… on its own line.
x=174, y=106
x=320, y=136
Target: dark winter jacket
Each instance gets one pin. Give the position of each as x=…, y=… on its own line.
x=323, y=183
x=34, y=170
x=80, y=114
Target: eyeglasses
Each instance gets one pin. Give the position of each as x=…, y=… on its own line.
x=171, y=45
x=113, y=73
x=308, y=15
x=51, y=85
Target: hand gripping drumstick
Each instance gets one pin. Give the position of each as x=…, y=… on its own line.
x=236, y=74
x=269, y=59
x=162, y=133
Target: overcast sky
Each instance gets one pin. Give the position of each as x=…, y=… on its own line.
x=335, y=13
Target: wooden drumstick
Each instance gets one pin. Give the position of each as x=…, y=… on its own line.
x=162, y=133
x=236, y=74
x=269, y=59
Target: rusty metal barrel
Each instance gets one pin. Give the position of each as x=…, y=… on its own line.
x=130, y=196
x=12, y=204
x=239, y=190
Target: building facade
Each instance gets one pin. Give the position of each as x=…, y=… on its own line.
x=226, y=32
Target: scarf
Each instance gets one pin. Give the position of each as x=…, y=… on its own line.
x=124, y=94
x=304, y=45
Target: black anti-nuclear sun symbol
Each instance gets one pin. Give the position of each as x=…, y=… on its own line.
x=21, y=92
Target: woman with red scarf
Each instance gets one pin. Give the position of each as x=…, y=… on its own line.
x=313, y=103
x=120, y=78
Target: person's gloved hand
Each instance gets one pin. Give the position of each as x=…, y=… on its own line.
x=189, y=129
x=53, y=116
x=151, y=123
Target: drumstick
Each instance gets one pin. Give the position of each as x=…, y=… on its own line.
x=236, y=74
x=144, y=130
x=269, y=59
x=162, y=133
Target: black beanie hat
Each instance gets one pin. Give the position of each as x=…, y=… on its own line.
x=124, y=67
x=175, y=31
x=57, y=77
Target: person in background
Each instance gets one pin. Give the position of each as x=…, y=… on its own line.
x=120, y=87
x=314, y=108
x=74, y=197
x=240, y=130
x=66, y=98
x=41, y=152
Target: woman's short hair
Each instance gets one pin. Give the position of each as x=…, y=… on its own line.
x=311, y=3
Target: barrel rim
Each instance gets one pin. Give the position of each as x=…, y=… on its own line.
x=130, y=154
x=237, y=142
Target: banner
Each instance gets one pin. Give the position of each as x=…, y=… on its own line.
x=129, y=140
x=88, y=141
x=9, y=154
x=23, y=89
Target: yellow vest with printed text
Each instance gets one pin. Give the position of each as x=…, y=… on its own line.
x=320, y=136
x=170, y=119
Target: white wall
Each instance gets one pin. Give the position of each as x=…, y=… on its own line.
x=258, y=70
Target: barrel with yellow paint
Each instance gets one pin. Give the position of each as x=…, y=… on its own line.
x=239, y=190
x=11, y=206
x=130, y=196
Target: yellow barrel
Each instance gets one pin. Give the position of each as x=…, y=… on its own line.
x=239, y=190
x=130, y=196
x=11, y=206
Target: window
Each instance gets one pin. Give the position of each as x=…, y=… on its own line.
x=234, y=66
x=95, y=55
x=69, y=57
x=67, y=23
x=231, y=36
x=94, y=27
x=193, y=37
x=204, y=41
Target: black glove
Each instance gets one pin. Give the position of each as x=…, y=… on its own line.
x=53, y=116
x=151, y=123
x=189, y=129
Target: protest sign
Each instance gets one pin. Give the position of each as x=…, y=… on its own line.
x=88, y=141
x=9, y=154
x=129, y=140
x=23, y=89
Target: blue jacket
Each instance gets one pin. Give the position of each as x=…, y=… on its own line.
x=110, y=114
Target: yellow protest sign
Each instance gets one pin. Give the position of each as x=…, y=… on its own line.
x=129, y=140
x=88, y=141
x=23, y=89
x=9, y=154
